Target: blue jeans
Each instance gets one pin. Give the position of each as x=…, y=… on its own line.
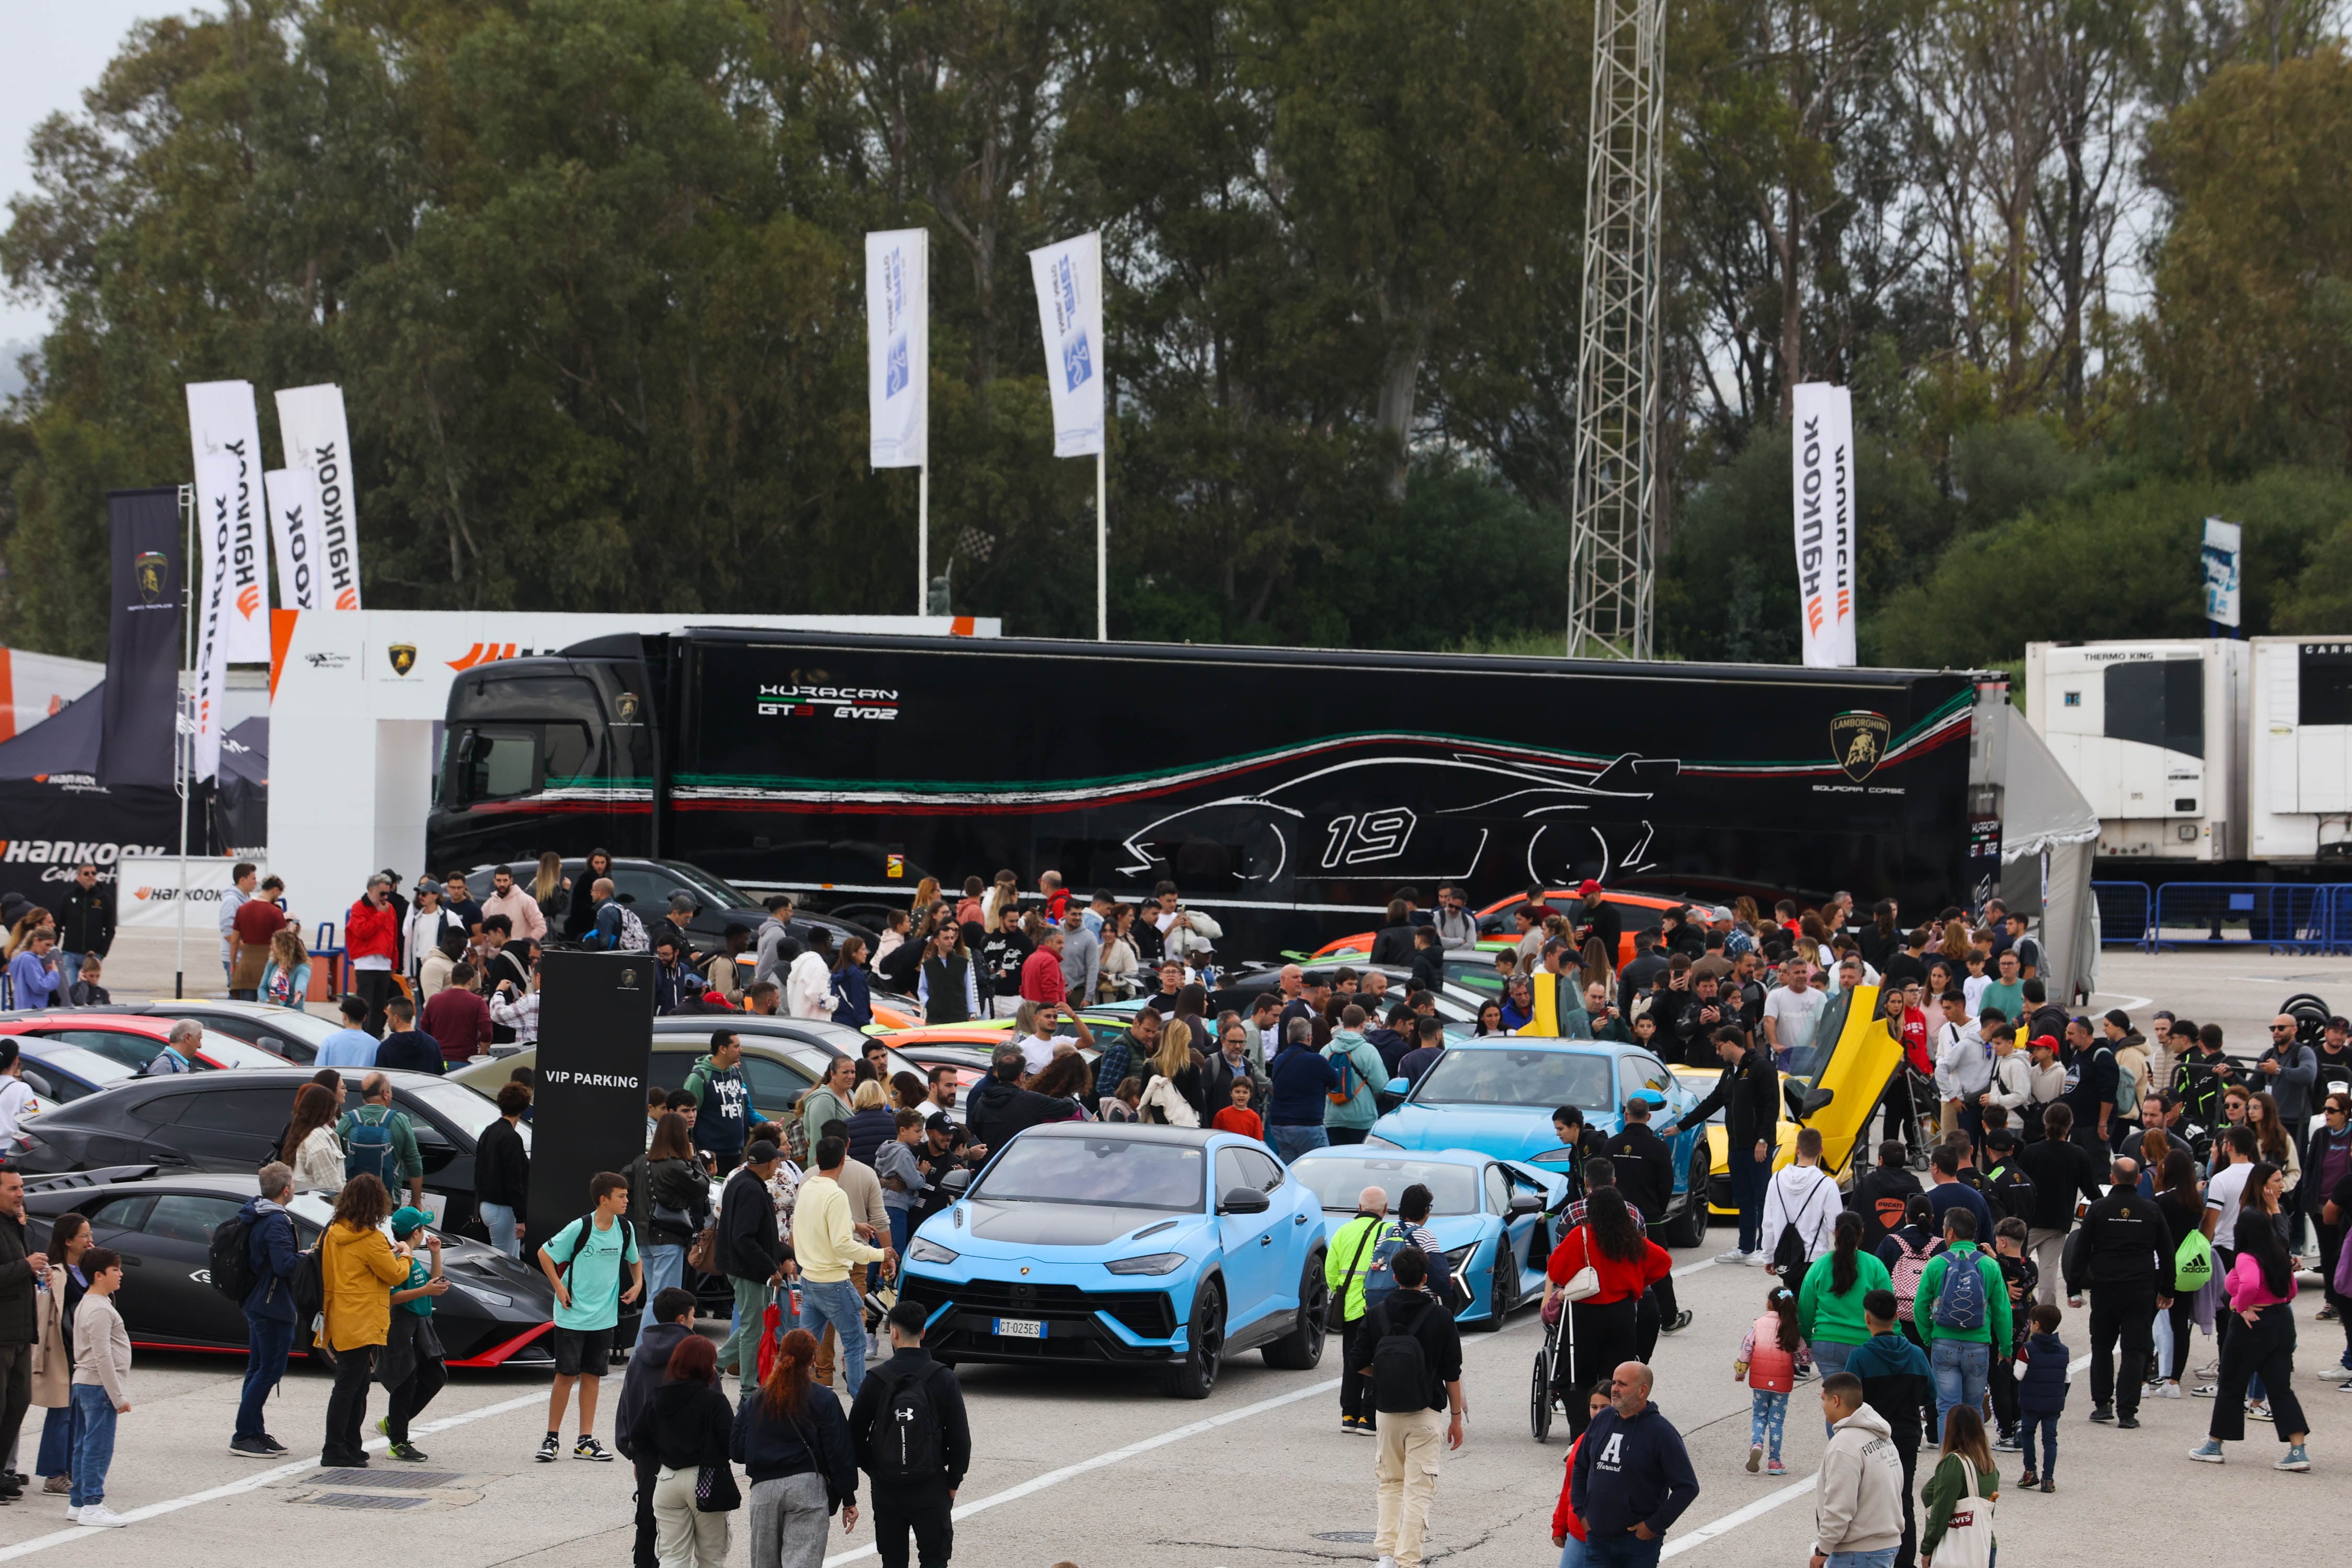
x=1830, y=1356
x=267, y=1342
x=1960, y=1367
x=1292, y=1139
x=1882, y=1558
x=1624, y=1549
x=1572, y=1553
x=94, y=1449
x=836, y=1303
x=1768, y=1415
x=899, y=1227
x=69, y=971
x=58, y=1430
x=665, y=1267
x=500, y=1220
x=2047, y=1425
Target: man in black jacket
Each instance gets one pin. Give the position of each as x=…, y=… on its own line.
x=1880, y=1193
x=2122, y=1255
x=1646, y=1165
x=2059, y=1168
x=1750, y=1088
x=998, y=1107
x=668, y=1324
x=19, y=1268
x=1637, y=977
x=85, y=923
x=752, y=1254
x=1702, y=1015
x=919, y=1503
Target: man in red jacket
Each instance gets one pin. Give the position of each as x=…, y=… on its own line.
x=372, y=944
x=1041, y=972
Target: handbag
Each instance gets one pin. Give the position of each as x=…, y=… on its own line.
x=703, y=1256
x=1335, y=1310
x=1582, y=1285
x=715, y=1490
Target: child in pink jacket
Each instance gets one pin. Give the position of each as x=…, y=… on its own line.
x=1767, y=1360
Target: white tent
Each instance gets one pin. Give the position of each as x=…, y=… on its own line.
x=2048, y=834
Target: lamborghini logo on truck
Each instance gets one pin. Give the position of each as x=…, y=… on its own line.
x=1859, y=740
x=805, y=702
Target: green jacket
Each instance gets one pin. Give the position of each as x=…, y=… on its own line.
x=1997, y=1329
x=1823, y=1314
x=1359, y=1234
x=819, y=1105
x=1943, y=1492
x=1362, y=1109
x=404, y=1141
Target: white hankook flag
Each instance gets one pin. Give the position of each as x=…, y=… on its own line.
x=898, y=347
x=311, y=427
x=294, y=530
x=1070, y=311
x=1822, y=453
x=217, y=485
x=220, y=423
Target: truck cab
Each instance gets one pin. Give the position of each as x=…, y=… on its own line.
x=546, y=753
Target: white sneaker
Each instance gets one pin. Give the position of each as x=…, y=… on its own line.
x=2170, y=1390
x=1734, y=1255
x=1386, y=1562
x=73, y=1512
x=1756, y=1259
x=97, y=1516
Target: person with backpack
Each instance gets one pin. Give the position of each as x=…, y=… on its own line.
x=1907, y=1252
x=582, y=1261
x=908, y=1430
x=1897, y=1382
x=2188, y=1266
x=1347, y=1265
x=378, y=1141
x=2042, y=1390
x=1354, y=1104
x=253, y=1258
x=1800, y=1209
x=1961, y=1312
x=794, y=1443
x=1830, y=1301
x=1881, y=1193
x=1633, y=1476
x=1416, y=1374
x=359, y=1266
x=1768, y=1361
x=1604, y=1265
x=723, y=1110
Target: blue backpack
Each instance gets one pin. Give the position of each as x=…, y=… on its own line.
x=371, y=1152
x=1961, y=1298
x=1380, y=1279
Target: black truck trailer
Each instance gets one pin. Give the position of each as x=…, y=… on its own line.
x=1288, y=790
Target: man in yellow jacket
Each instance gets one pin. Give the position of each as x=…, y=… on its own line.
x=826, y=1242
x=1345, y=1263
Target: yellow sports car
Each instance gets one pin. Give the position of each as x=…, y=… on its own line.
x=1852, y=1057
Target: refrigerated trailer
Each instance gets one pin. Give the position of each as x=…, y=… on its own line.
x=2153, y=733
x=1290, y=791
x=2300, y=743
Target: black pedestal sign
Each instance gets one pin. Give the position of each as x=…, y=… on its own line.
x=595, y=1055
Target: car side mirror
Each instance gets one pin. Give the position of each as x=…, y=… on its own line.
x=1525, y=1202
x=956, y=1181
x=1400, y=1085
x=1244, y=1200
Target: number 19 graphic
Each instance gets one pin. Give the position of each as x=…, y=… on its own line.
x=1373, y=836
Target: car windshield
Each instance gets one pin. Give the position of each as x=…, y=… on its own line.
x=86, y=1066
x=1499, y=1076
x=1125, y=1172
x=1808, y=1063
x=1337, y=1182
x=468, y=1110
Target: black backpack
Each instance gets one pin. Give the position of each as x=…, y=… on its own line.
x=907, y=1446
x=1400, y=1376
x=232, y=1272
x=1789, y=1259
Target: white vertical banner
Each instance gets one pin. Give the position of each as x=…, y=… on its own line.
x=2219, y=555
x=1070, y=311
x=221, y=423
x=311, y=427
x=294, y=530
x=216, y=601
x=1822, y=454
x=898, y=347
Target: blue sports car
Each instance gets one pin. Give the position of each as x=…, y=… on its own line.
x=1128, y=1246
x=1492, y=1217
x=1496, y=1097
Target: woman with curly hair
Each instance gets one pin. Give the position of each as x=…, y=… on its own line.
x=1604, y=1324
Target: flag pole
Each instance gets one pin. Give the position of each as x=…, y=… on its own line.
x=923, y=536
x=1102, y=556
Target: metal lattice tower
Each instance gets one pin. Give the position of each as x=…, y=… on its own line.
x=1612, y=551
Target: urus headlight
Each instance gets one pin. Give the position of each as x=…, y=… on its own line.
x=1150, y=1263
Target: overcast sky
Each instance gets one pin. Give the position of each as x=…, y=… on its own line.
x=51, y=51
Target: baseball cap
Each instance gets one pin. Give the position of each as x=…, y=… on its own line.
x=759, y=1153
x=406, y=1219
x=940, y=1122
x=2046, y=1042
x=1586, y=888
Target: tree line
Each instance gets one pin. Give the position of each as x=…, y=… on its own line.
x=590, y=273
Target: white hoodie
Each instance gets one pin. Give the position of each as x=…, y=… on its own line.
x=1858, y=1496
x=1806, y=1198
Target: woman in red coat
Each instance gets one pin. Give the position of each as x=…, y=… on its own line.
x=1601, y=1327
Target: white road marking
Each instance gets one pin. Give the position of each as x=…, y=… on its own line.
x=260, y=1479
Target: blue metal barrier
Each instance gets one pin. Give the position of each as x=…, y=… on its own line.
x=2127, y=912
x=2285, y=918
